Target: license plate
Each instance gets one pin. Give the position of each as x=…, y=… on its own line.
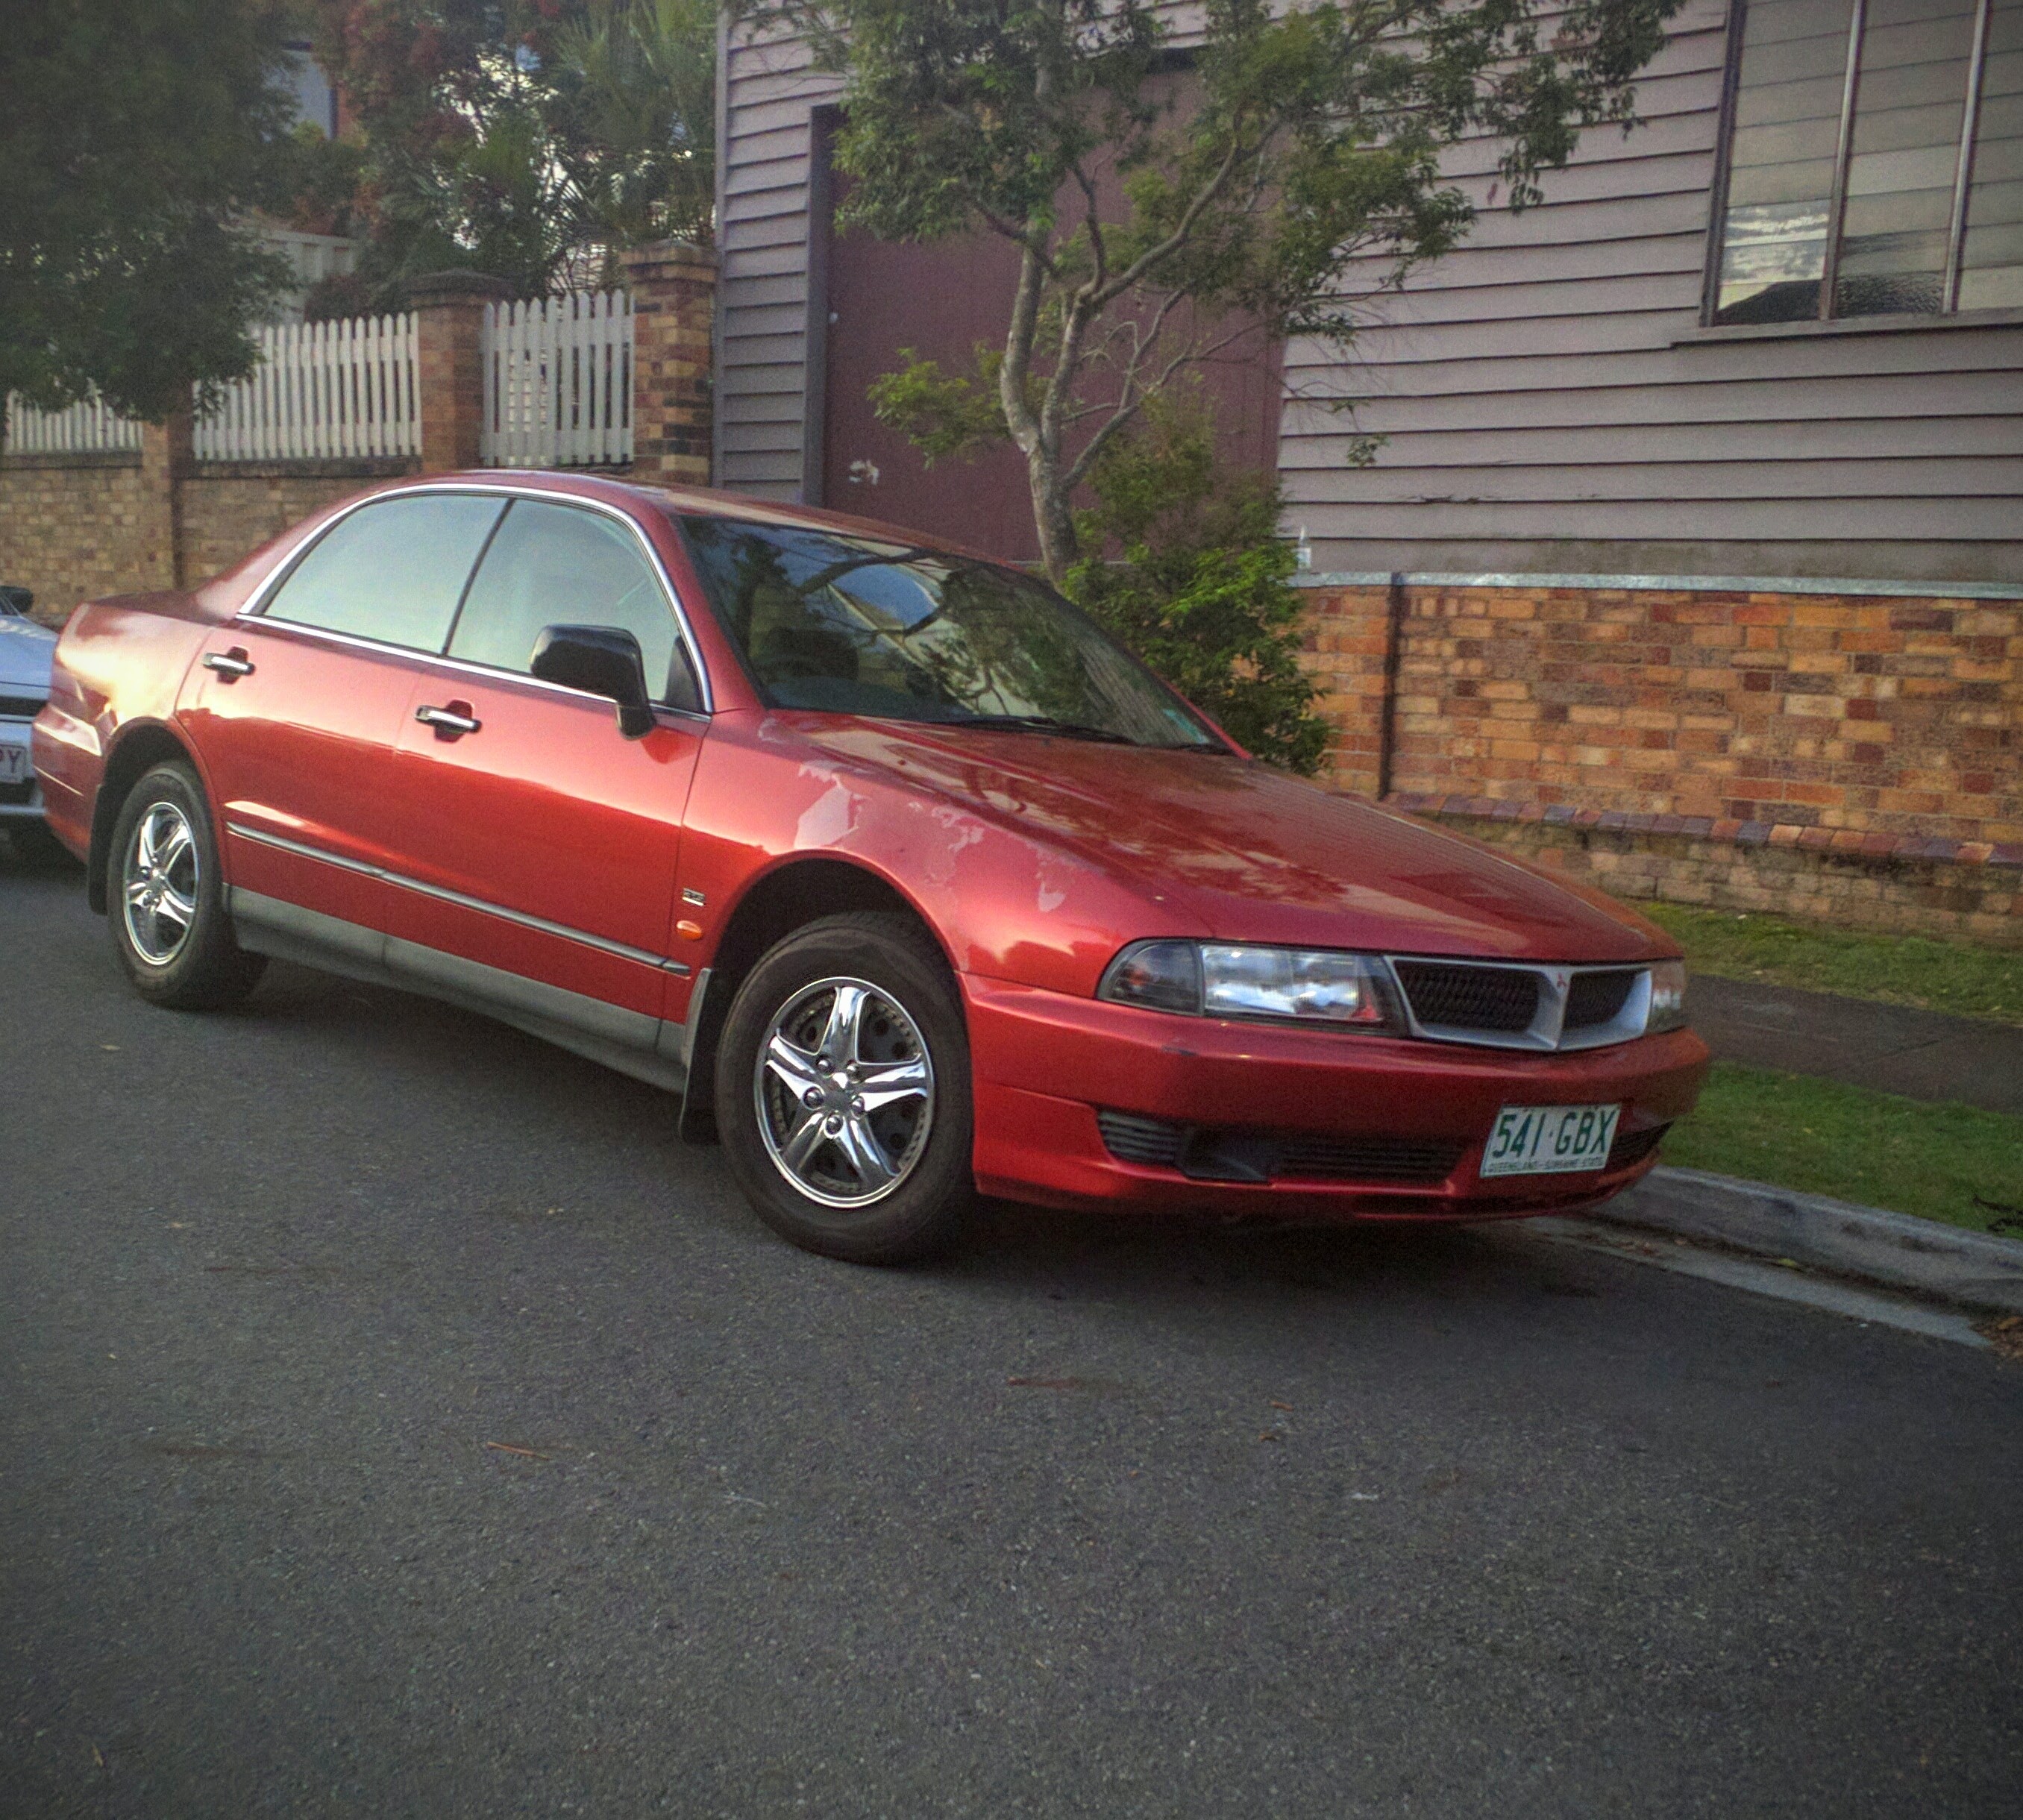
x=1549, y=1140
x=14, y=766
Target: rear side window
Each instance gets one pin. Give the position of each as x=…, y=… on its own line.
x=560, y=566
x=394, y=571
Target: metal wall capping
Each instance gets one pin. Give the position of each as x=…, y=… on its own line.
x=1722, y=584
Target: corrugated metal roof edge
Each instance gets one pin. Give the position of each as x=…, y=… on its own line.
x=1722, y=584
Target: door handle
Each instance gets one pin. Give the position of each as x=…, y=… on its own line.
x=451, y=722
x=230, y=665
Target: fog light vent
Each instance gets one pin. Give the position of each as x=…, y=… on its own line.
x=1633, y=1146
x=1132, y=1138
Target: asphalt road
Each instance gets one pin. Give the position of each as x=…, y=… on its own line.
x=1100, y=1519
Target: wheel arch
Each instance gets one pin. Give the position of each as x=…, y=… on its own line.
x=139, y=749
x=797, y=891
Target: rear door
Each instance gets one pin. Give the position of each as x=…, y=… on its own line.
x=297, y=707
x=544, y=843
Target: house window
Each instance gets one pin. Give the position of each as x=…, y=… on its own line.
x=1875, y=161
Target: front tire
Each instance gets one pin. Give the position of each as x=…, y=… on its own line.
x=165, y=913
x=842, y=1092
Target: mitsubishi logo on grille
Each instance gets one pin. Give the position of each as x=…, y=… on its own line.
x=1562, y=978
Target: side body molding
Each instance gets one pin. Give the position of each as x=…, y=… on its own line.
x=650, y=1049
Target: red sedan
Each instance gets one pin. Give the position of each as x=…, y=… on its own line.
x=909, y=882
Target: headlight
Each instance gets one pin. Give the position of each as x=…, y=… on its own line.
x=1668, y=997
x=1217, y=980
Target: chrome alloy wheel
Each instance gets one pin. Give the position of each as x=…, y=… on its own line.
x=845, y=1092
x=158, y=884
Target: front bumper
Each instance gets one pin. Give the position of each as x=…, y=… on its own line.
x=1044, y=1064
x=20, y=798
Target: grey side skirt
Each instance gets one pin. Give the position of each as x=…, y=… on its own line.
x=650, y=1049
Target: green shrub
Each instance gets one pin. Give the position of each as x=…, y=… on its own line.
x=1187, y=567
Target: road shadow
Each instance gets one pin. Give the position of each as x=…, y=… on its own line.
x=35, y=859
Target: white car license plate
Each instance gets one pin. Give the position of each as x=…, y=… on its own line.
x=14, y=766
x=1549, y=1140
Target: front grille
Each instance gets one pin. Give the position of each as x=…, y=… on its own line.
x=1598, y=998
x=1368, y=1158
x=1633, y=1146
x=1505, y=999
x=1210, y=1153
x=19, y=708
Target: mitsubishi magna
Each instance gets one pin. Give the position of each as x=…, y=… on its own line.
x=905, y=879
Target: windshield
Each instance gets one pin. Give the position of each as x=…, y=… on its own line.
x=850, y=625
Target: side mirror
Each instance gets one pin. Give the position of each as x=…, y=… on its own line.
x=599, y=660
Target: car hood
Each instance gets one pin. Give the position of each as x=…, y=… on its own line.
x=26, y=650
x=1255, y=855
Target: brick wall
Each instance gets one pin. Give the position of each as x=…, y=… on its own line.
x=1857, y=713
x=1938, y=887
x=72, y=527
x=231, y=508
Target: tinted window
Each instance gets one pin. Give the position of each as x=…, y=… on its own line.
x=858, y=627
x=392, y=571
x=558, y=565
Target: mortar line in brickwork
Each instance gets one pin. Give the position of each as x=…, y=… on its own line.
x=1717, y=584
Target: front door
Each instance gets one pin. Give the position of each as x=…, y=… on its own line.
x=539, y=842
x=294, y=711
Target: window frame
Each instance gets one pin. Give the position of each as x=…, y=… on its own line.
x=255, y=611
x=1949, y=308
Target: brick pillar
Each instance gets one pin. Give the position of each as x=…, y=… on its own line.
x=674, y=297
x=166, y=460
x=449, y=322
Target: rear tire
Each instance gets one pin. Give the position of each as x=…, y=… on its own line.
x=842, y=1092
x=165, y=906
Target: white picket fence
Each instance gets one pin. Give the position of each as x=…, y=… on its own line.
x=558, y=381
x=557, y=392
x=322, y=390
x=90, y=428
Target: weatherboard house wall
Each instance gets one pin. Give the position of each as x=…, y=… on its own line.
x=1549, y=397
x=771, y=316
x=1551, y=400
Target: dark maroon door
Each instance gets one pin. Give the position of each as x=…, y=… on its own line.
x=941, y=300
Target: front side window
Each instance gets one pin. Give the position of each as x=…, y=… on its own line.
x=1875, y=164
x=562, y=565
x=392, y=572
x=852, y=625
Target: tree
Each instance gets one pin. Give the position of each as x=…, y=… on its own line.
x=1157, y=216
x=135, y=136
x=637, y=85
x=528, y=138
x=1201, y=588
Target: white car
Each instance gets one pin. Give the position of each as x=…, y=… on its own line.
x=25, y=650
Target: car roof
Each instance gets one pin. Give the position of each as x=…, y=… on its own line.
x=709, y=503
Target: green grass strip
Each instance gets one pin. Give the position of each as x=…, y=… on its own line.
x=1827, y=1137
x=1963, y=977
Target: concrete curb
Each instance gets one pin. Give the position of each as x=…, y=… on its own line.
x=1973, y=1270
